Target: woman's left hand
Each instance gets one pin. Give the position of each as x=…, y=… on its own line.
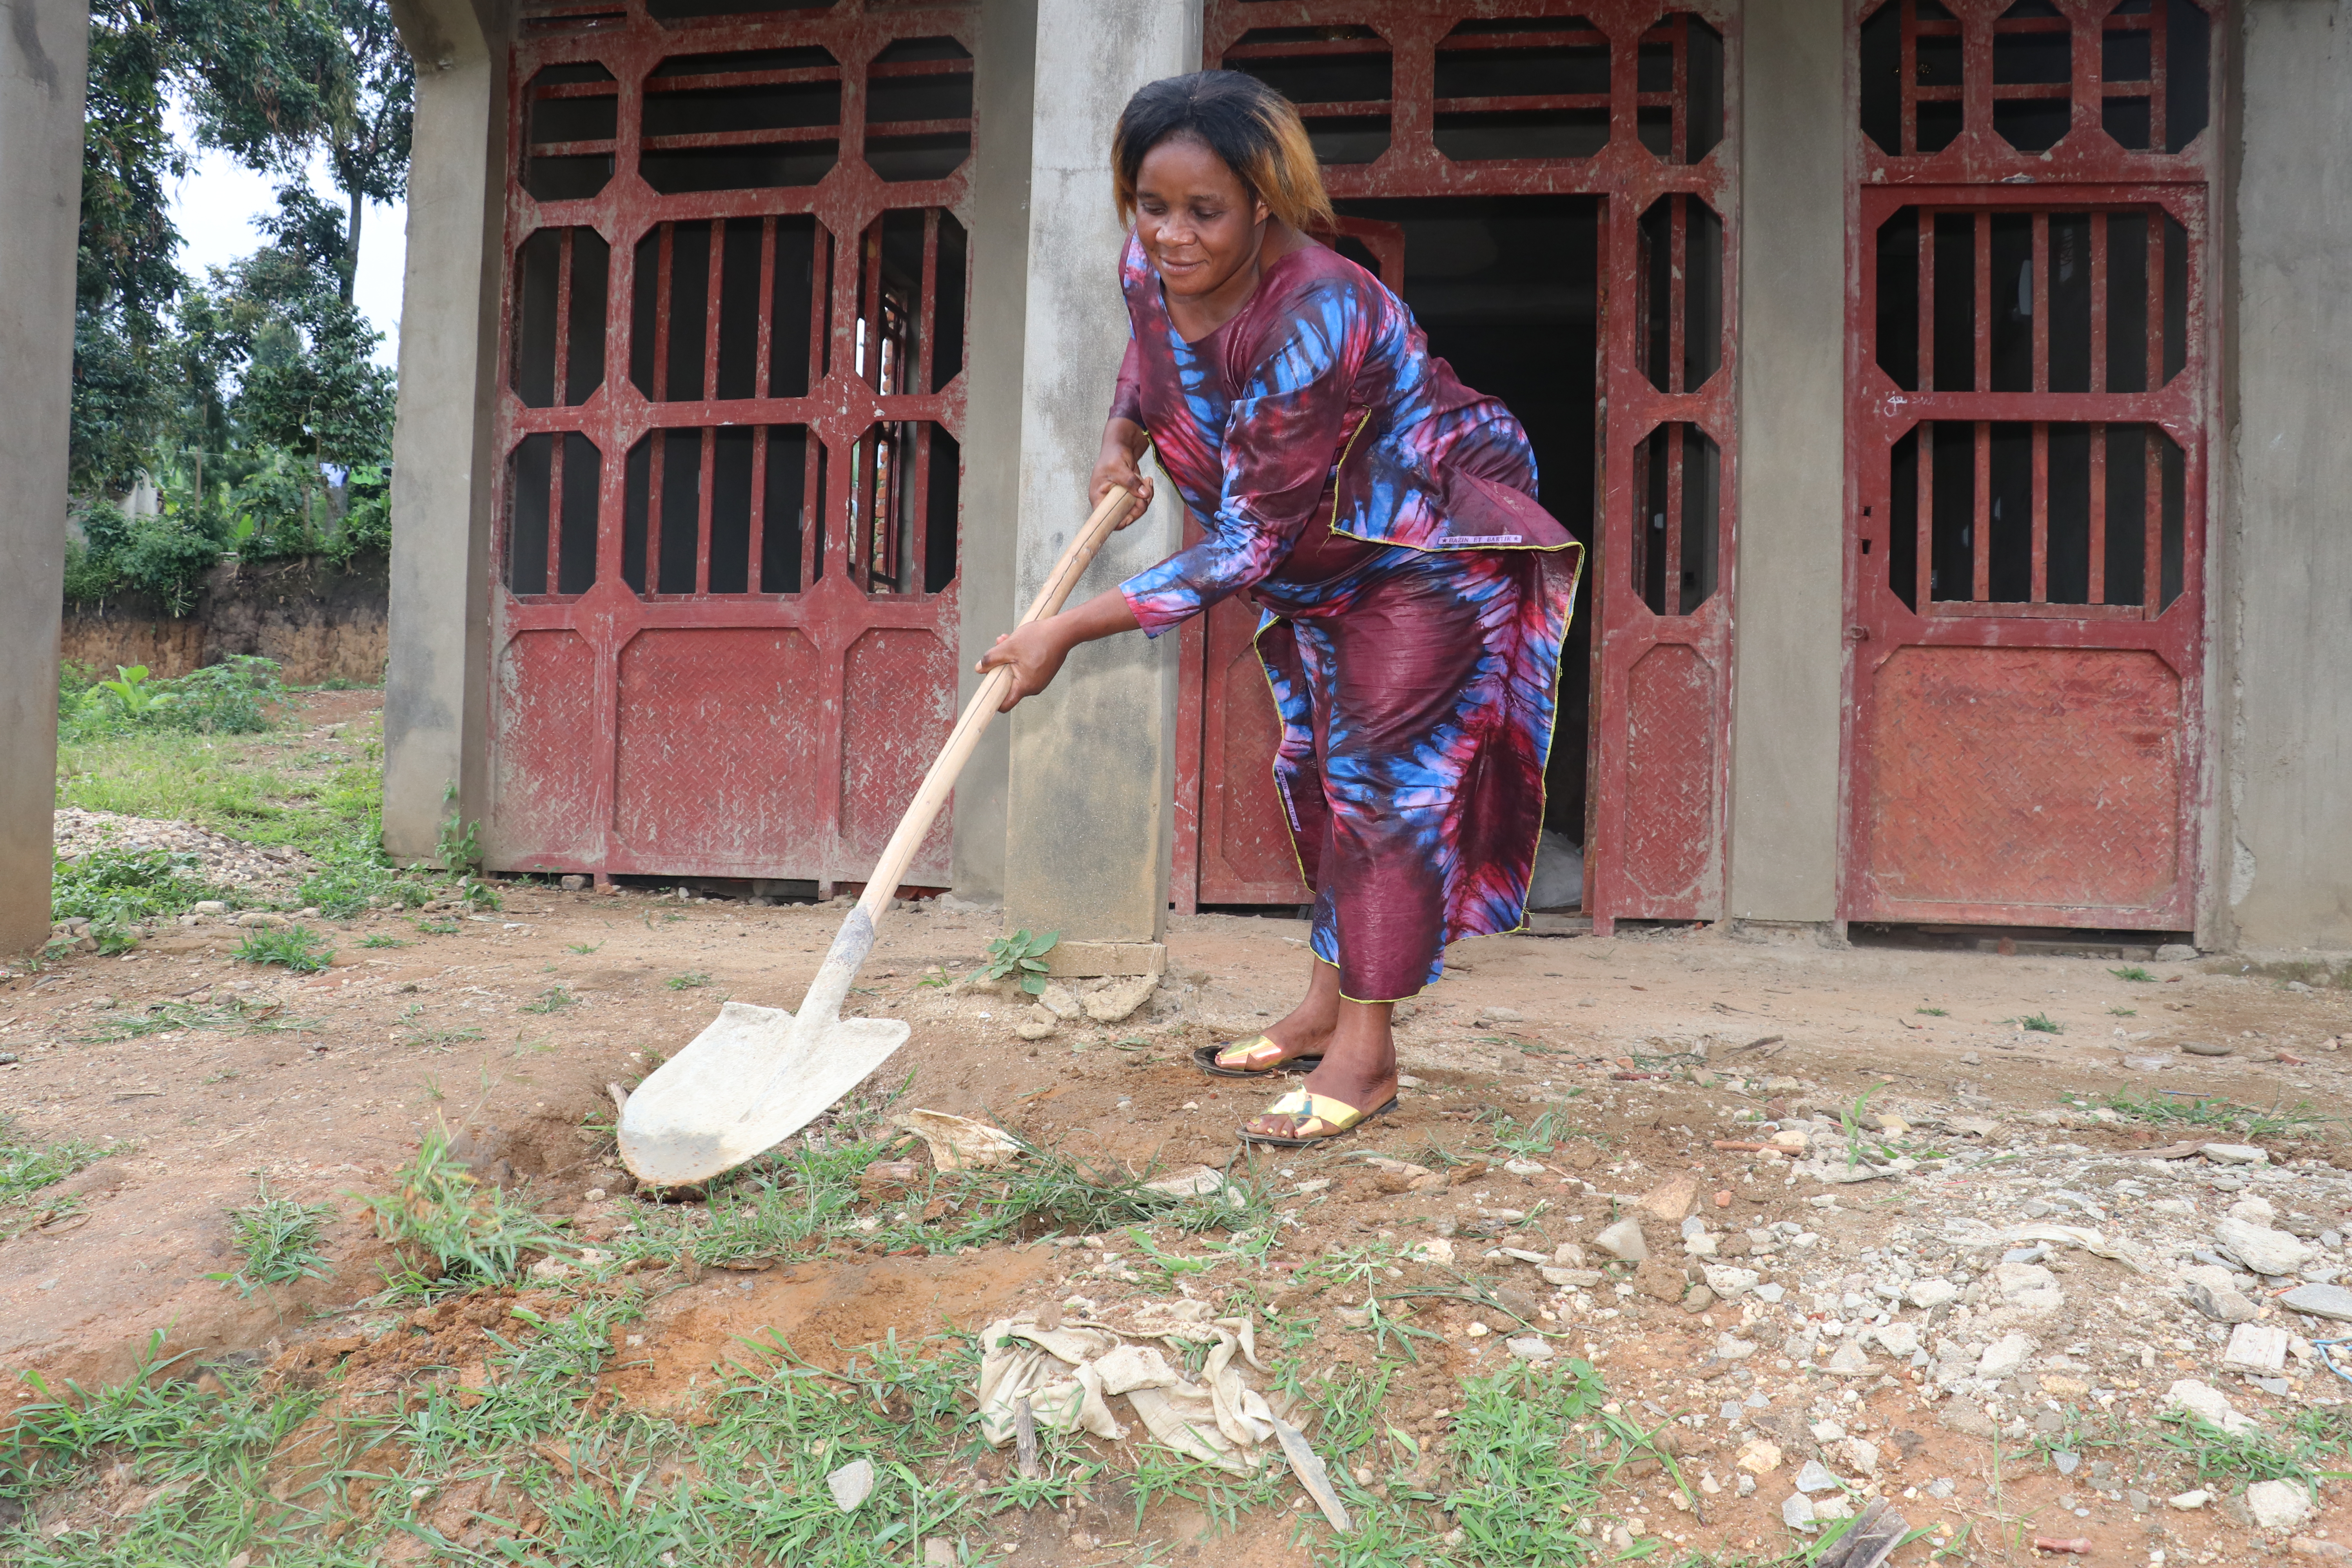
x=1034, y=653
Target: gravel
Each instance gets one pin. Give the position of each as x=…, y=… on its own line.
x=272, y=872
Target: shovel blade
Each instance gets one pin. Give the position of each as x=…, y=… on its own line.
x=686, y=1124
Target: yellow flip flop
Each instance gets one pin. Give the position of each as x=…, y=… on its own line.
x=1318, y=1119
x=1260, y=1057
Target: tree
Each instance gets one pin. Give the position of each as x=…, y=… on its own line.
x=278, y=79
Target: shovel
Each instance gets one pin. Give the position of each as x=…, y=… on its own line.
x=758, y=1075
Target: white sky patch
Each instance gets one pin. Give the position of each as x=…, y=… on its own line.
x=215, y=207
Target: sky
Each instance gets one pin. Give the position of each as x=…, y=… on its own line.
x=215, y=207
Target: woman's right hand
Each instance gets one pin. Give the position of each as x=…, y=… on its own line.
x=1120, y=464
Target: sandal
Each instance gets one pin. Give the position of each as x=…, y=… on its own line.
x=1211, y=1060
x=1317, y=1119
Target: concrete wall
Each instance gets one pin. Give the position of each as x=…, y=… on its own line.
x=44, y=61
x=2285, y=534
x=991, y=425
x=435, y=680
x=1091, y=798
x=1787, y=657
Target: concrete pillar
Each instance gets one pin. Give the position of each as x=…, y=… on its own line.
x=2282, y=541
x=43, y=66
x=1004, y=91
x=1088, y=823
x=435, y=680
x=1788, y=660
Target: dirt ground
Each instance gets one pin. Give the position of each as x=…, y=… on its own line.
x=1648, y=1051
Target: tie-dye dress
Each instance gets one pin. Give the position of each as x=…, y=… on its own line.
x=1414, y=597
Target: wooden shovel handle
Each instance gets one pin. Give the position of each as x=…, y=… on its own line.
x=940, y=780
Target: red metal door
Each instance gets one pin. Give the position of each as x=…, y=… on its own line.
x=1436, y=101
x=723, y=633
x=2028, y=352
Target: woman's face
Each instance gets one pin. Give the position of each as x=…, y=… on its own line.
x=1199, y=225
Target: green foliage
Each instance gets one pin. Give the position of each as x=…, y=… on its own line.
x=690, y=980
x=2204, y=1111
x=554, y=999
x=163, y=556
x=279, y=1238
x=165, y=1018
x=2042, y=1024
x=355, y=874
x=1933, y=1012
x=1023, y=955
x=2132, y=971
x=113, y=887
x=299, y=948
x=25, y=1167
x=472, y=1234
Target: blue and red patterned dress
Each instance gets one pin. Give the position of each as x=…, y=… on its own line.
x=1414, y=597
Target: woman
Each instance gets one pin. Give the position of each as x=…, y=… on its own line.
x=1415, y=595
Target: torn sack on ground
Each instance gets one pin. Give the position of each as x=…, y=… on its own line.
x=1067, y=1371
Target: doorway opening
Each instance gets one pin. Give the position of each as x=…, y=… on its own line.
x=1508, y=288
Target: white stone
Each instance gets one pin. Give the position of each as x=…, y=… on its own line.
x=2278, y=1505
x=852, y=1484
x=1434, y=1249
x=1727, y=1348
x=1624, y=1240
x=2320, y=1300
x=1116, y=1001
x=2235, y=1154
x=1728, y=1281
x=2005, y=1355
x=2028, y=1287
x=2260, y=1248
x=1898, y=1339
x=1850, y=1358
x=1926, y=1293
x=1759, y=1456
x=1568, y=1255
x=2255, y=1347
x=2254, y=1211
x=1529, y=1347
x=1525, y=1167
x=1797, y=1511
x=2207, y=1402
x=1060, y=1001
x=2189, y=1501
x=1815, y=1477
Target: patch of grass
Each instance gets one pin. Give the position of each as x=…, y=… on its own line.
x=114, y=888
x=1529, y=1140
x=2209, y=1112
x=466, y=1233
x=300, y=949
x=279, y=1238
x=691, y=980
x=25, y=1167
x=1933, y=1012
x=2123, y=1012
x=2042, y=1024
x=440, y=1037
x=554, y=999
x=2315, y=1445
x=581, y=947
x=355, y=874
x=380, y=940
x=438, y=927
x=2132, y=971
x=233, y=1015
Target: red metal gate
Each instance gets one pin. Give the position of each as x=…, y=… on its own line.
x=2027, y=356
x=1630, y=102
x=723, y=636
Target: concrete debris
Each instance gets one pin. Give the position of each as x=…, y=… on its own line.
x=2320, y=1300
x=2260, y=1248
x=1117, y=1000
x=1815, y=1477
x=1624, y=1240
x=851, y=1485
x=2278, y=1505
x=2255, y=1348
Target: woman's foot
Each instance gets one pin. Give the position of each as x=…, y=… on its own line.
x=1358, y=1068
x=1305, y=1031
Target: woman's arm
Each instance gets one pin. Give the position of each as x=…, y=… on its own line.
x=1036, y=651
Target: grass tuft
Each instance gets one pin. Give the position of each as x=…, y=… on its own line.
x=469, y=1233
x=279, y=1238
x=693, y=979
x=2042, y=1024
x=299, y=948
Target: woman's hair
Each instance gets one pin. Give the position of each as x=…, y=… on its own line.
x=1240, y=119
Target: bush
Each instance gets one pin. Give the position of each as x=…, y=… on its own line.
x=108, y=886
x=299, y=948
x=224, y=699
x=165, y=556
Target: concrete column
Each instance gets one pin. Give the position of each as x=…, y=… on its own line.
x=44, y=64
x=1787, y=657
x=1003, y=89
x=2283, y=541
x=435, y=690
x=1089, y=823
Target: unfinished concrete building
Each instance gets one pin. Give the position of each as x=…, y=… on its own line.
x=1952, y=393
